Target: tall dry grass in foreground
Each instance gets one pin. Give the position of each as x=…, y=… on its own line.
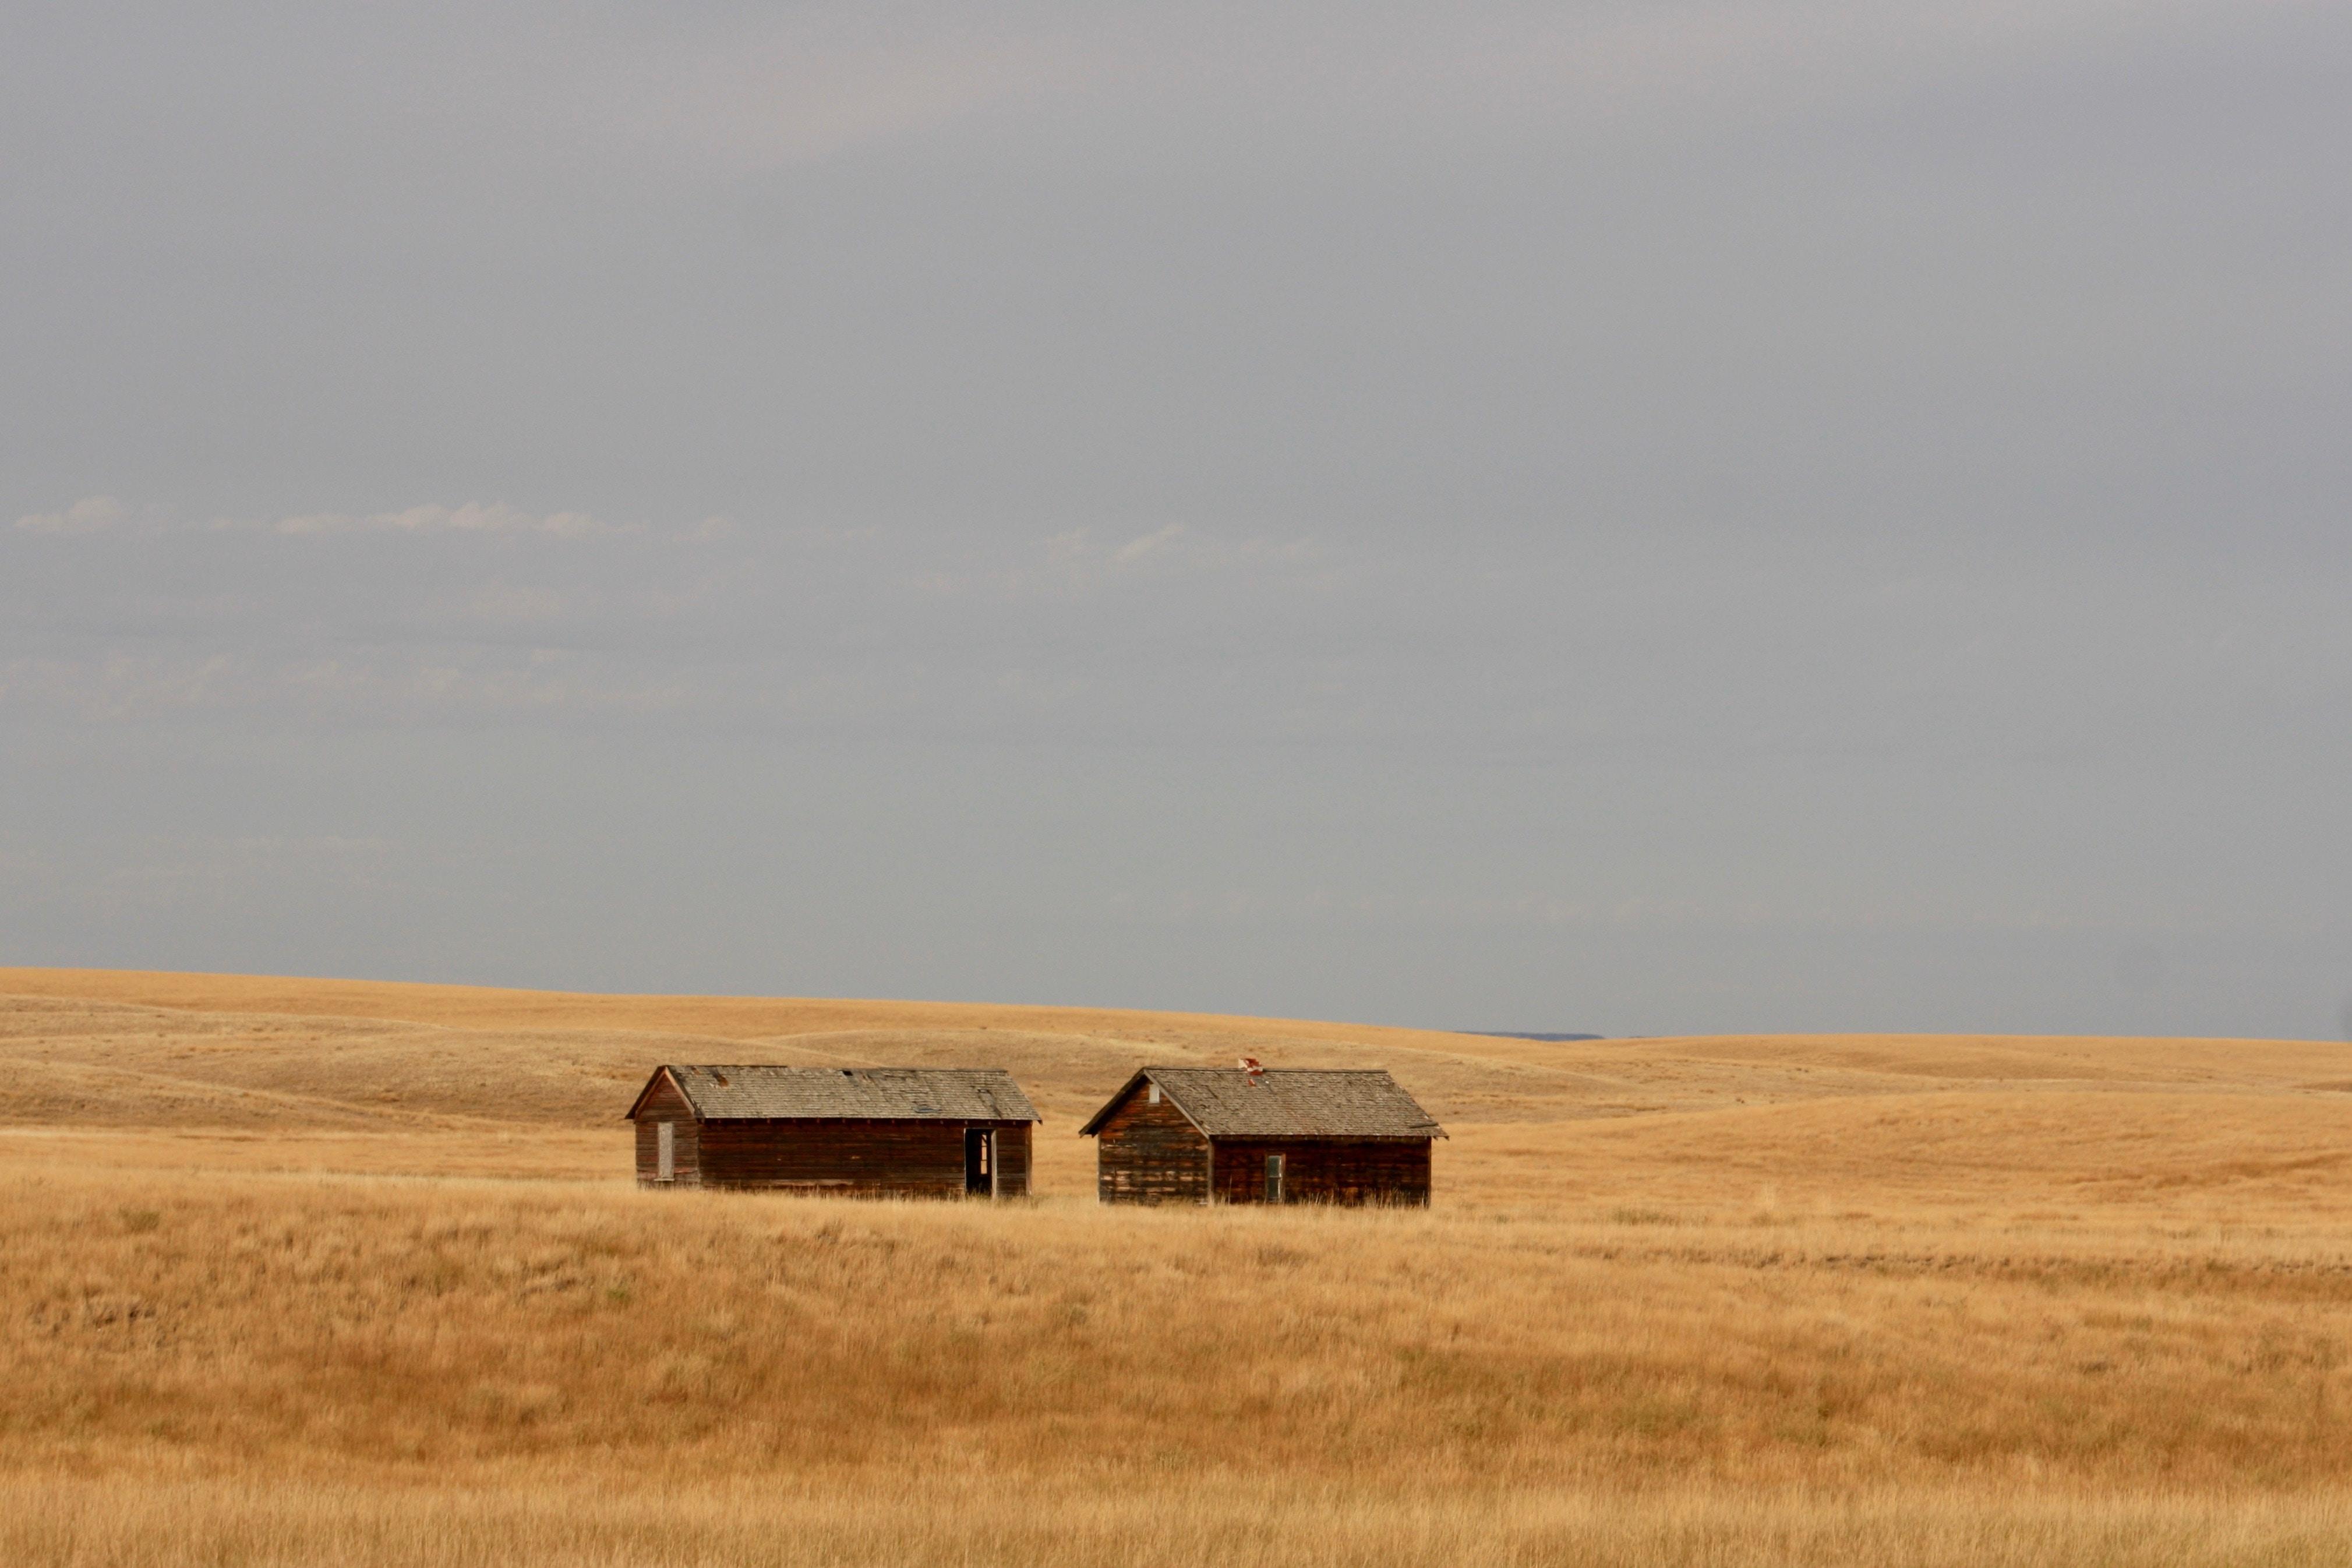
x=793, y=1522
x=248, y=1369
x=334, y=1326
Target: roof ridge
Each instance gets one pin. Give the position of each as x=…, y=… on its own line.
x=1286, y=1102
x=796, y=1091
x=1284, y=1072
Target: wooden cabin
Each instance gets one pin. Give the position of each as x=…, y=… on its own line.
x=1233, y=1135
x=932, y=1133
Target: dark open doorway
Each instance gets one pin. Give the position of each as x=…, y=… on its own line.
x=979, y=1161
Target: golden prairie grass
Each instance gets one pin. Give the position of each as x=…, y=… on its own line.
x=803, y=1523
x=331, y=1324
x=2091, y=1307
x=267, y=1370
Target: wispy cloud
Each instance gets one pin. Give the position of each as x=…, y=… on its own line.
x=91, y=514
x=472, y=517
x=106, y=513
x=400, y=683
x=805, y=90
x=122, y=685
x=1082, y=562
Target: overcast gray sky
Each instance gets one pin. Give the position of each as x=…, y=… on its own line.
x=1611, y=517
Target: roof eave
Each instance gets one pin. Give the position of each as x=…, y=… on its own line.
x=1328, y=1137
x=947, y=1120
x=1117, y=1099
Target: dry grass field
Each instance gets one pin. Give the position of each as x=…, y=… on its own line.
x=301, y=1272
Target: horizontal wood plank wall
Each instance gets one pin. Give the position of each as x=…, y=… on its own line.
x=908, y=1158
x=1148, y=1153
x=1012, y=1161
x=1325, y=1170
x=665, y=1104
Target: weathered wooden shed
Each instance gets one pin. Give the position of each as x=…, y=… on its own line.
x=874, y=1131
x=1233, y=1135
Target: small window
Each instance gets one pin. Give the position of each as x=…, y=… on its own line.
x=1155, y=1094
x=1273, y=1178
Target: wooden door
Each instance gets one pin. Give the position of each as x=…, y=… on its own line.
x=666, y=1151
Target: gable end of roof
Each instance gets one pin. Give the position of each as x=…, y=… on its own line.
x=646, y=1093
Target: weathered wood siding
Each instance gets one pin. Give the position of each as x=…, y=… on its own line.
x=665, y=1104
x=1325, y=1170
x=862, y=1159
x=1147, y=1153
x=1012, y=1161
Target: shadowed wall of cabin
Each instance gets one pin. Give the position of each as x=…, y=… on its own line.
x=1325, y=1170
x=862, y=1159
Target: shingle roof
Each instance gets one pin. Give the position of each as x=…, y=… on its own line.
x=1223, y=1102
x=867, y=1094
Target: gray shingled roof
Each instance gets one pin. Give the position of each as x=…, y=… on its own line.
x=1222, y=1102
x=865, y=1094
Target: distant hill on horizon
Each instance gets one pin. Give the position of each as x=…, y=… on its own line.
x=1524, y=1035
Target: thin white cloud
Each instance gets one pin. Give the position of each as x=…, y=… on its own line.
x=473, y=516
x=1078, y=563
x=102, y=513
x=91, y=514
x=757, y=91
x=1160, y=544
x=818, y=85
x=410, y=683
x=122, y=685
x=529, y=604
